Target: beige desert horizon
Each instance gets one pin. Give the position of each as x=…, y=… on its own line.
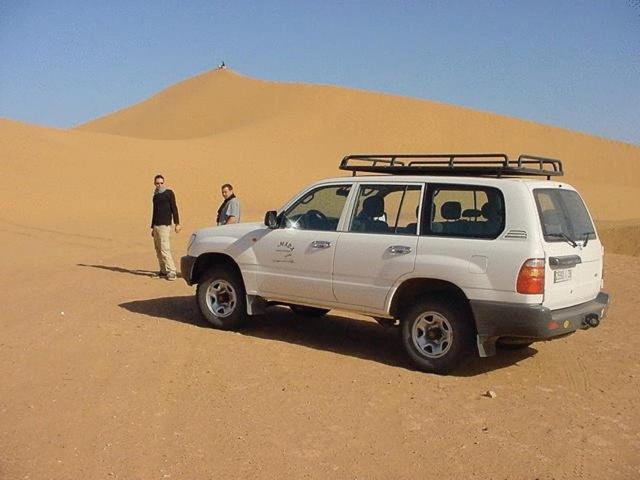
x=108, y=373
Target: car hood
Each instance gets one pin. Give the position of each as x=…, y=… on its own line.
x=235, y=230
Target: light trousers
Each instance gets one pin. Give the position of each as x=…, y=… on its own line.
x=161, y=240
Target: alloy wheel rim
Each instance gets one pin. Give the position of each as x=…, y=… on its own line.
x=221, y=298
x=432, y=334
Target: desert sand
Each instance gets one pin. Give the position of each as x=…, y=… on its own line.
x=109, y=373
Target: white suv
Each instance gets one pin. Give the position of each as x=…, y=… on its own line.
x=452, y=248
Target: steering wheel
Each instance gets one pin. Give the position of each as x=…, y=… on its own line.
x=315, y=218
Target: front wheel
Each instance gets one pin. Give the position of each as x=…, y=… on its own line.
x=221, y=298
x=436, y=335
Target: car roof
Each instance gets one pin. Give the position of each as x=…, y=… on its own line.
x=493, y=181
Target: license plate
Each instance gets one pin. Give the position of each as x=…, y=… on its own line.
x=561, y=276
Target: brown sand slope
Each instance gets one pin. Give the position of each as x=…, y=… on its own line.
x=107, y=373
x=204, y=105
x=270, y=138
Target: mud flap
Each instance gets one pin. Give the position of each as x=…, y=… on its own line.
x=486, y=345
x=256, y=305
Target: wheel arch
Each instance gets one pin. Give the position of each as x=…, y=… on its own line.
x=211, y=259
x=411, y=289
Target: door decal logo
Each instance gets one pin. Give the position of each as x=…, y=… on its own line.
x=284, y=252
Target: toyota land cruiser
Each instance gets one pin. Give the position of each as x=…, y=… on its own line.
x=455, y=249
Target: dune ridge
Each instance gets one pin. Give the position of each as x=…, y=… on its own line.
x=269, y=139
x=99, y=359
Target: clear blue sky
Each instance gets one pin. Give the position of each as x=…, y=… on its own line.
x=573, y=64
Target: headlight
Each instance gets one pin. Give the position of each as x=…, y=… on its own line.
x=191, y=240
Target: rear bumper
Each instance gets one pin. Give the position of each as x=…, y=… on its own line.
x=186, y=267
x=532, y=322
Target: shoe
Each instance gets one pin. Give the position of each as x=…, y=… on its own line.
x=171, y=277
x=160, y=275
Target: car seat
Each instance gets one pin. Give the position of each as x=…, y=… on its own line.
x=471, y=213
x=491, y=212
x=372, y=208
x=412, y=228
x=450, y=211
x=552, y=222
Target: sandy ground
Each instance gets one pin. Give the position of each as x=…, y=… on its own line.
x=108, y=373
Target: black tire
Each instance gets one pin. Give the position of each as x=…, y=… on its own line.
x=508, y=344
x=229, y=314
x=308, y=311
x=427, y=326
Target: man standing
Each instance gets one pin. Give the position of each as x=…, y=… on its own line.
x=164, y=210
x=229, y=211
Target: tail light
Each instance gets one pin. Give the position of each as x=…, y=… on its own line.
x=531, y=277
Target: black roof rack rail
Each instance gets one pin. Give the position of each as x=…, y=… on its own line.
x=454, y=164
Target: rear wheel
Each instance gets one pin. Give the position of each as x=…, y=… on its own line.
x=308, y=311
x=221, y=298
x=436, y=335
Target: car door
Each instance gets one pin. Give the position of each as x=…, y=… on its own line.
x=379, y=244
x=295, y=261
x=573, y=270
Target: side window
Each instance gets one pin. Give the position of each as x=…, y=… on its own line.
x=320, y=209
x=464, y=211
x=387, y=209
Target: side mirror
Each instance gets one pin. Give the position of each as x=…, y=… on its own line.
x=271, y=219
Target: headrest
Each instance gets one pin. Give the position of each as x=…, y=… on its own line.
x=490, y=211
x=451, y=210
x=373, y=207
x=471, y=213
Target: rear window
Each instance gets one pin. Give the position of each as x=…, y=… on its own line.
x=563, y=214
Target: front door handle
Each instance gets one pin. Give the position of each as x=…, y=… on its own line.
x=399, y=249
x=320, y=244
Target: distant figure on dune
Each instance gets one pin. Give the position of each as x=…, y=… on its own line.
x=164, y=211
x=222, y=66
x=229, y=211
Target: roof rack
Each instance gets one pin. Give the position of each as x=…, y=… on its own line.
x=454, y=164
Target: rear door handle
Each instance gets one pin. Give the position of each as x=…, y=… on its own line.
x=320, y=244
x=399, y=249
x=566, y=261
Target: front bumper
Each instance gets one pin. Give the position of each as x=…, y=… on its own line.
x=531, y=322
x=186, y=267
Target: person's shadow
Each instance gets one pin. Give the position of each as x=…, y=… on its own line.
x=142, y=273
x=334, y=333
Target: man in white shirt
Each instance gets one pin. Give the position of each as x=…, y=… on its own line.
x=229, y=211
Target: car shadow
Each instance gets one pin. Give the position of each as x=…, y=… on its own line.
x=181, y=309
x=362, y=339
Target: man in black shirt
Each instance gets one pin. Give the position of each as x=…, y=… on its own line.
x=164, y=211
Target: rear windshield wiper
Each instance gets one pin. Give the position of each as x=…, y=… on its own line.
x=565, y=237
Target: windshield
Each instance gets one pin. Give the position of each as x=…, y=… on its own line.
x=563, y=215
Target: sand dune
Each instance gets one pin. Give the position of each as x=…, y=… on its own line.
x=108, y=373
x=269, y=139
